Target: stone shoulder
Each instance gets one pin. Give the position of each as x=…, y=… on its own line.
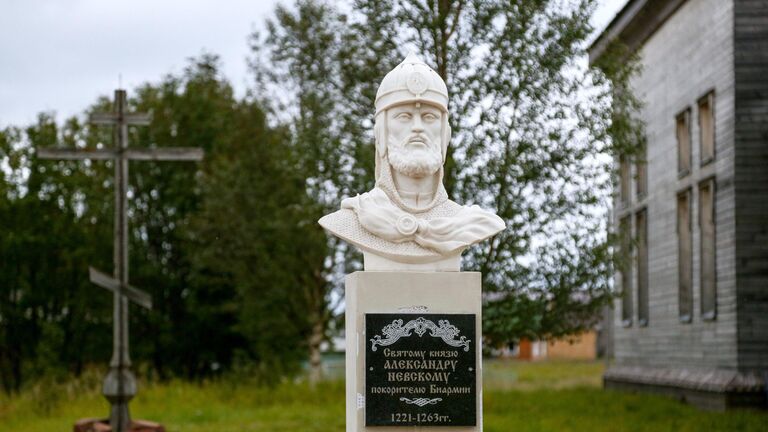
x=344, y=224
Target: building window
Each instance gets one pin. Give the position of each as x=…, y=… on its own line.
x=684, y=256
x=708, y=274
x=707, y=127
x=624, y=180
x=625, y=231
x=683, y=132
x=641, y=177
x=641, y=259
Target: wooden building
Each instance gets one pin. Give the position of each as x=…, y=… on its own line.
x=577, y=347
x=693, y=209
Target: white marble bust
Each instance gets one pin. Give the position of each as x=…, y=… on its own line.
x=407, y=222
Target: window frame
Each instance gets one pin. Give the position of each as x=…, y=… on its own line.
x=683, y=116
x=625, y=239
x=641, y=174
x=642, y=271
x=625, y=181
x=684, y=317
x=709, y=100
x=706, y=313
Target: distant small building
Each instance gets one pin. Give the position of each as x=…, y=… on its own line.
x=693, y=210
x=578, y=347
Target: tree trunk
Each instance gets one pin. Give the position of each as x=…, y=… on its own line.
x=5, y=375
x=315, y=360
x=16, y=370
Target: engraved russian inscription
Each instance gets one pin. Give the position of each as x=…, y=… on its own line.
x=420, y=370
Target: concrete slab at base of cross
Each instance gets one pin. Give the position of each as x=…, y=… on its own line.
x=102, y=425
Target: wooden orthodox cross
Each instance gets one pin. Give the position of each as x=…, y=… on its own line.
x=120, y=383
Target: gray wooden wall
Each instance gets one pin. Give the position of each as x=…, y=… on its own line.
x=751, y=181
x=691, y=54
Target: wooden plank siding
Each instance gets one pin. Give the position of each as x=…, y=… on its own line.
x=751, y=181
x=687, y=57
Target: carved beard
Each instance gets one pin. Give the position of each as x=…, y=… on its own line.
x=414, y=161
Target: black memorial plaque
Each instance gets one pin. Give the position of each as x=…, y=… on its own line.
x=420, y=370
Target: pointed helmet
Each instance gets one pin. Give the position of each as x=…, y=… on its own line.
x=412, y=81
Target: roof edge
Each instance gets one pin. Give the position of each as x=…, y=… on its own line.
x=635, y=23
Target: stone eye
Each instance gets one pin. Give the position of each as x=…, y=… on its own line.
x=403, y=116
x=429, y=117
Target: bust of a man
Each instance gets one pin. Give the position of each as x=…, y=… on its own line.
x=406, y=220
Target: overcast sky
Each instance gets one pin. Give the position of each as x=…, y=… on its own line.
x=62, y=54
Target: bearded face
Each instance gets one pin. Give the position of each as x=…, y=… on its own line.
x=413, y=139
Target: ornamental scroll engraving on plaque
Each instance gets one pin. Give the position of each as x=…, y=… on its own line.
x=420, y=370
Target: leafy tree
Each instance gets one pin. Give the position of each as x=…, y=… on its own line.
x=57, y=218
x=50, y=319
x=531, y=134
x=232, y=261
x=251, y=235
x=300, y=52
x=189, y=332
x=229, y=253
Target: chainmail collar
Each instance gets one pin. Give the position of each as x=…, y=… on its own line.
x=386, y=182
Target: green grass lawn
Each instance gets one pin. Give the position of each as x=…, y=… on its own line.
x=546, y=396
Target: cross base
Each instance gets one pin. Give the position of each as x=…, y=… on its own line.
x=102, y=425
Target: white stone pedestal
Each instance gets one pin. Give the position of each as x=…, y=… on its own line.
x=405, y=292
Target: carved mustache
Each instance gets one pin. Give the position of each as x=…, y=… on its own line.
x=418, y=138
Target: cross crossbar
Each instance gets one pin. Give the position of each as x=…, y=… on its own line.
x=165, y=154
x=105, y=281
x=140, y=119
x=75, y=154
x=142, y=154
